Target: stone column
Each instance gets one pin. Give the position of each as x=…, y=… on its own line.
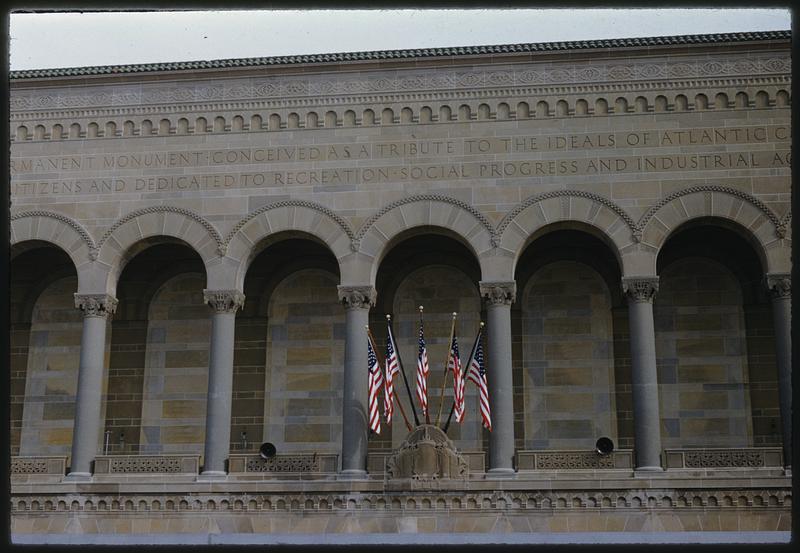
x=499, y=296
x=355, y=407
x=225, y=303
x=640, y=292
x=780, y=290
x=97, y=312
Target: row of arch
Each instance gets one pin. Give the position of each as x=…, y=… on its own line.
x=635, y=244
x=312, y=119
x=558, y=500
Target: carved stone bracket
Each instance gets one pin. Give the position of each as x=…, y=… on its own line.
x=427, y=454
x=779, y=285
x=224, y=301
x=357, y=297
x=96, y=305
x=640, y=289
x=499, y=293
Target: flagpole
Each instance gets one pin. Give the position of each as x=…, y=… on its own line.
x=400, y=405
x=446, y=363
x=427, y=411
x=403, y=372
x=469, y=363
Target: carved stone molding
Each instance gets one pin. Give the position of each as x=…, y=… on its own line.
x=96, y=305
x=640, y=289
x=224, y=301
x=357, y=297
x=499, y=293
x=779, y=285
x=77, y=227
x=429, y=198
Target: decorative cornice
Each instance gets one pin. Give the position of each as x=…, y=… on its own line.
x=412, y=54
x=427, y=198
x=499, y=293
x=96, y=305
x=357, y=297
x=640, y=288
x=779, y=285
x=223, y=301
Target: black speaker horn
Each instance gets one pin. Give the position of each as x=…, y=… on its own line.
x=604, y=446
x=267, y=450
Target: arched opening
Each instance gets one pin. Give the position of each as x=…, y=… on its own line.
x=158, y=364
x=571, y=373
x=714, y=341
x=289, y=350
x=45, y=339
x=426, y=267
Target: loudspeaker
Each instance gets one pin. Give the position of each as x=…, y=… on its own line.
x=604, y=446
x=267, y=450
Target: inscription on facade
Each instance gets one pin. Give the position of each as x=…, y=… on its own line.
x=405, y=161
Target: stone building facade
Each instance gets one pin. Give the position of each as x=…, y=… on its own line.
x=197, y=247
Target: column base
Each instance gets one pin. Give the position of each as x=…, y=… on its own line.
x=648, y=469
x=501, y=474
x=212, y=476
x=78, y=477
x=352, y=474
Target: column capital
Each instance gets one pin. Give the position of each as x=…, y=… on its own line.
x=640, y=288
x=96, y=305
x=223, y=301
x=779, y=285
x=357, y=297
x=498, y=292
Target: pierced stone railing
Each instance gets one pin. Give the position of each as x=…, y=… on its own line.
x=147, y=464
x=573, y=460
x=319, y=463
x=39, y=465
x=741, y=457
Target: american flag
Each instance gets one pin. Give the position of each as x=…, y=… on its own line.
x=392, y=367
x=422, y=372
x=375, y=383
x=458, y=380
x=477, y=373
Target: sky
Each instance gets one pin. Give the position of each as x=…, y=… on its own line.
x=42, y=41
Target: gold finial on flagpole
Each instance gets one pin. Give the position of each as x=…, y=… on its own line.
x=388, y=317
x=482, y=324
x=420, y=309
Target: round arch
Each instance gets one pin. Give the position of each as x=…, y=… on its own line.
x=417, y=214
x=292, y=216
x=733, y=209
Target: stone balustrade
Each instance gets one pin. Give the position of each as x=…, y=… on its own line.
x=147, y=464
x=573, y=460
x=743, y=457
x=315, y=463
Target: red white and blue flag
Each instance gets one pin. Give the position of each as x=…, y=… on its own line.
x=375, y=383
x=458, y=380
x=392, y=367
x=422, y=372
x=477, y=374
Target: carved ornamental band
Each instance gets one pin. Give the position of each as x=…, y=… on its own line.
x=640, y=289
x=357, y=297
x=779, y=285
x=499, y=293
x=96, y=305
x=223, y=301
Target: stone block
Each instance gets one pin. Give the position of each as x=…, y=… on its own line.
x=700, y=347
x=308, y=356
x=183, y=434
x=307, y=433
x=183, y=409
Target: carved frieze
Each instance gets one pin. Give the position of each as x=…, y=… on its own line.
x=96, y=305
x=357, y=297
x=224, y=301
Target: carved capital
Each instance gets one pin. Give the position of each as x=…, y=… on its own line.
x=640, y=289
x=499, y=293
x=223, y=301
x=357, y=297
x=779, y=285
x=96, y=305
